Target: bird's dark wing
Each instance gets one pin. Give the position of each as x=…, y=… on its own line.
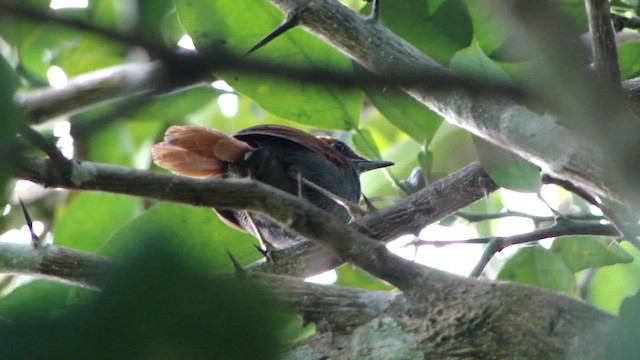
x=297, y=136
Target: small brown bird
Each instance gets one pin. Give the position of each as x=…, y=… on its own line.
x=283, y=157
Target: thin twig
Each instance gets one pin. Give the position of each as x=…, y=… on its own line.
x=563, y=227
x=36, y=139
x=623, y=229
x=471, y=217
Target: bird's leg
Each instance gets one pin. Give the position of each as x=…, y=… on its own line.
x=354, y=210
x=292, y=20
x=266, y=248
x=299, y=178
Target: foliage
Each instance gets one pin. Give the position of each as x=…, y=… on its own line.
x=381, y=122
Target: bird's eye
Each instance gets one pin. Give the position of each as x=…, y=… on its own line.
x=340, y=146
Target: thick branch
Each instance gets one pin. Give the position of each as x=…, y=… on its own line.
x=295, y=213
x=495, y=119
x=93, y=89
x=443, y=198
x=54, y=262
x=443, y=312
x=407, y=216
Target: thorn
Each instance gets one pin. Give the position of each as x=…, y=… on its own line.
x=370, y=206
x=555, y=212
x=292, y=20
x=375, y=11
x=238, y=269
x=267, y=253
x=35, y=240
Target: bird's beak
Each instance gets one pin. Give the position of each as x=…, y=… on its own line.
x=365, y=165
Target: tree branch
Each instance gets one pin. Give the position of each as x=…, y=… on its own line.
x=450, y=308
x=604, y=48
x=407, y=216
x=498, y=120
x=293, y=212
x=55, y=263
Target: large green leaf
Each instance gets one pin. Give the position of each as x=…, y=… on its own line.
x=235, y=26
x=351, y=276
x=39, y=299
x=405, y=112
x=90, y=219
x=492, y=32
x=506, y=169
x=472, y=62
x=452, y=149
x=629, y=59
x=624, y=341
x=584, y=252
x=439, y=35
x=612, y=284
x=195, y=234
x=155, y=307
x=11, y=117
x=82, y=53
x=535, y=265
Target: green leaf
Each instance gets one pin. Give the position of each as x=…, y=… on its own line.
x=489, y=29
x=584, y=252
x=507, y=169
x=629, y=59
x=90, y=219
x=11, y=117
x=196, y=234
x=495, y=36
x=535, y=265
x=111, y=145
x=157, y=20
x=473, y=62
x=364, y=143
x=224, y=25
x=39, y=299
x=612, y=284
x=372, y=181
x=625, y=339
x=452, y=149
x=82, y=53
x=295, y=329
x=439, y=35
x=351, y=276
x=405, y=112
x=156, y=306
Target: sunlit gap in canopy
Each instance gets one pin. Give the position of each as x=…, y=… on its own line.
x=228, y=102
x=327, y=277
x=56, y=76
x=62, y=131
x=186, y=42
x=69, y=4
x=22, y=235
x=460, y=259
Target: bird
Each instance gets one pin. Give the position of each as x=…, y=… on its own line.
x=324, y=170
